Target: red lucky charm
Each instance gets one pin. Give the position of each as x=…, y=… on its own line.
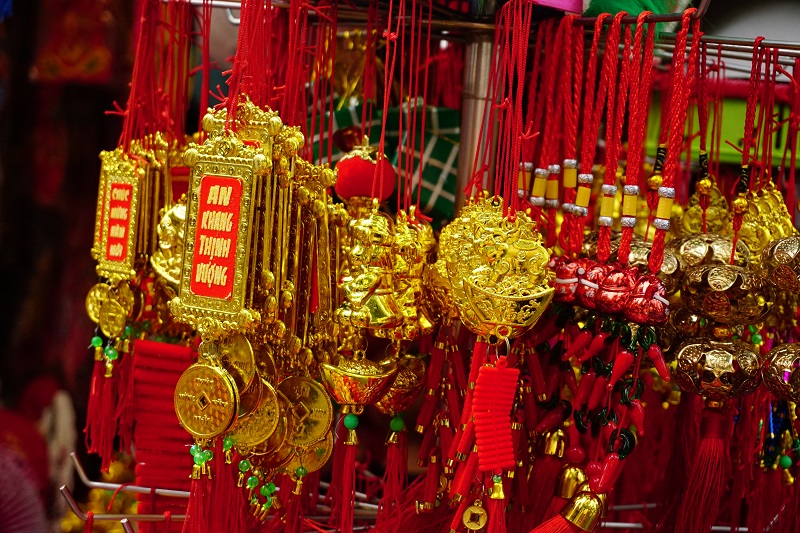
x=615, y=289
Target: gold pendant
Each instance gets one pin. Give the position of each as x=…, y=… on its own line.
x=206, y=400
x=112, y=318
x=261, y=424
x=95, y=299
x=313, y=457
x=311, y=410
x=475, y=517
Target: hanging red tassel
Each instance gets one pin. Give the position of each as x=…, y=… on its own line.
x=101, y=422
x=545, y=471
x=94, y=419
x=195, y=521
x=394, y=479
x=701, y=500
x=334, y=496
x=126, y=406
x=496, y=508
x=293, y=516
x=581, y=514
x=348, y=488
x=227, y=513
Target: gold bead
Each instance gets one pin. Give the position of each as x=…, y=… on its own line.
x=704, y=186
x=740, y=205
x=655, y=181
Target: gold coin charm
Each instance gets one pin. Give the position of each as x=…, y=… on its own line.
x=112, y=318
x=312, y=458
x=236, y=355
x=265, y=361
x=205, y=401
x=310, y=409
x=475, y=517
x=248, y=400
x=259, y=426
x=95, y=299
x=284, y=426
x=123, y=294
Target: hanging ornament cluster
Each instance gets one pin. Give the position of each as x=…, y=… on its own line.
x=581, y=305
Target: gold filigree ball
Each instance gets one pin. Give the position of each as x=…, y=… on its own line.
x=782, y=372
x=727, y=294
x=717, y=369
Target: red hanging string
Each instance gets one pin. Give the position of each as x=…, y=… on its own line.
x=681, y=87
x=639, y=96
x=388, y=74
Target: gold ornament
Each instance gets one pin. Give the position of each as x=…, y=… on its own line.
x=260, y=425
x=368, y=289
x=781, y=375
x=585, y=509
x=357, y=381
x=475, y=517
x=95, y=299
x=727, y=294
x=167, y=260
x=310, y=409
x=206, y=401
x=717, y=215
x=498, y=270
x=781, y=263
x=312, y=458
x=717, y=368
x=405, y=388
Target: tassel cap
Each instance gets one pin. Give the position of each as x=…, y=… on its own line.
x=569, y=479
x=584, y=511
x=553, y=443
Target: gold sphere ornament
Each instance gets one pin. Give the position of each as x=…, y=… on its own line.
x=717, y=369
x=782, y=372
x=727, y=294
x=781, y=263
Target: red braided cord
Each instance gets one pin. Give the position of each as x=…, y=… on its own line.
x=388, y=74
x=639, y=95
x=426, y=67
x=677, y=119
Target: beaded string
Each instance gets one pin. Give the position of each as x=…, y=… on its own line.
x=681, y=86
x=640, y=90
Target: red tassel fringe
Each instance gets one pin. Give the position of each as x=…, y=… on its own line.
x=557, y=524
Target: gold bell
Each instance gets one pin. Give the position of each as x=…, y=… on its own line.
x=553, y=443
x=568, y=481
x=391, y=439
x=109, y=369
x=298, y=487
x=352, y=438
x=497, y=489
x=584, y=511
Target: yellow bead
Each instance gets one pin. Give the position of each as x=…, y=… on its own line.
x=655, y=181
x=607, y=206
x=704, y=186
x=570, y=177
x=584, y=195
x=552, y=190
x=539, y=187
x=629, y=205
x=739, y=205
x=664, y=209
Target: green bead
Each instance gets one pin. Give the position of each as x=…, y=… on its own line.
x=756, y=338
x=751, y=328
x=300, y=471
x=195, y=449
x=271, y=487
x=111, y=353
x=227, y=443
x=351, y=421
x=208, y=454
x=267, y=501
x=497, y=478
x=264, y=490
x=786, y=461
x=128, y=332
x=252, y=482
x=397, y=424
x=199, y=459
x=97, y=341
x=244, y=466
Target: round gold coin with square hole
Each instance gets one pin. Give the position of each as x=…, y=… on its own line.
x=261, y=424
x=313, y=457
x=236, y=355
x=205, y=401
x=112, y=318
x=310, y=409
x=95, y=299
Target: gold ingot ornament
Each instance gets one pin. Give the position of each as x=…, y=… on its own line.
x=405, y=388
x=498, y=270
x=357, y=381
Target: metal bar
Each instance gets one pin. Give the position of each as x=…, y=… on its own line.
x=657, y=18
x=124, y=488
x=632, y=506
x=126, y=526
x=73, y=505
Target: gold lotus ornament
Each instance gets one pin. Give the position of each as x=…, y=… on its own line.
x=405, y=388
x=357, y=381
x=498, y=270
x=782, y=372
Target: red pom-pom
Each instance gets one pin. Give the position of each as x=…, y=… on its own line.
x=356, y=174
